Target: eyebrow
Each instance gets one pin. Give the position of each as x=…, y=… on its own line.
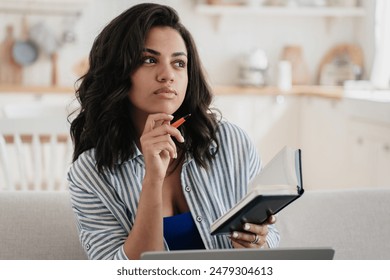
x=175, y=54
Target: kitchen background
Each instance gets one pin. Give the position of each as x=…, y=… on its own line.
x=277, y=67
x=224, y=33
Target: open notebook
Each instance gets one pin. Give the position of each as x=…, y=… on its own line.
x=322, y=253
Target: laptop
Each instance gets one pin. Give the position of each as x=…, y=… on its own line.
x=323, y=253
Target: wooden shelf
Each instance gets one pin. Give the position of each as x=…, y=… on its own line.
x=333, y=92
x=219, y=10
x=7, y=89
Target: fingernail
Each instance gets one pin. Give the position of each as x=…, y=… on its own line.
x=235, y=234
x=273, y=219
x=247, y=227
x=182, y=139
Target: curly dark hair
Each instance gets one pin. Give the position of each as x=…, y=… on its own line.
x=104, y=120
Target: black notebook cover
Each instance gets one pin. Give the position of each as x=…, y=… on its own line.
x=261, y=206
x=256, y=211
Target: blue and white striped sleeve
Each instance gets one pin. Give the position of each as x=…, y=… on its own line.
x=101, y=233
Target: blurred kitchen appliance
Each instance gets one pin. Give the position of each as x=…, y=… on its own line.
x=253, y=68
x=341, y=63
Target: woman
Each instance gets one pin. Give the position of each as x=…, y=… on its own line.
x=137, y=182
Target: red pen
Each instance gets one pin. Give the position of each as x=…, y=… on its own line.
x=180, y=121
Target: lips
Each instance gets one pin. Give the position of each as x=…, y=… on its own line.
x=166, y=90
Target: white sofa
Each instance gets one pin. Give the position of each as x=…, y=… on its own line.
x=356, y=223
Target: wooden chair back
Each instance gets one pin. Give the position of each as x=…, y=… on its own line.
x=35, y=153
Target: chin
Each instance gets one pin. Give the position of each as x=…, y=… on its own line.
x=166, y=110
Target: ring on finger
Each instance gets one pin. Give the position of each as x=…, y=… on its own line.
x=257, y=238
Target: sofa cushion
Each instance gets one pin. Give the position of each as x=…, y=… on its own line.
x=38, y=225
x=356, y=223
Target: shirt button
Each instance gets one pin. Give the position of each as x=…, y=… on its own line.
x=188, y=189
x=87, y=246
x=199, y=219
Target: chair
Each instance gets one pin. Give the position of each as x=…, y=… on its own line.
x=34, y=153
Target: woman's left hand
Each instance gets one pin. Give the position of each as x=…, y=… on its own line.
x=254, y=236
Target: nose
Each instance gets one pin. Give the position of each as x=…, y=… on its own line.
x=165, y=73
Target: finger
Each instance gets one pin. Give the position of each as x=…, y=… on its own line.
x=155, y=120
x=256, y=229
x=248, y=243
x=167, y=144
x=243, y=236
x=271, y=219
x=239, y=245
x=165, y=129
x=155, y=145
x=157, y=137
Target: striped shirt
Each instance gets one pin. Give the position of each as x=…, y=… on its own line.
x=105, y=204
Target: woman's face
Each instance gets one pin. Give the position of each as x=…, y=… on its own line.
x=159, y=84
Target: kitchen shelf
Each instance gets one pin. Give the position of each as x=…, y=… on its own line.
x=332, y=92
x=219, y=10
x=44, y=7
x=23, y=89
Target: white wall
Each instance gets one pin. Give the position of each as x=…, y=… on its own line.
x=219, y=47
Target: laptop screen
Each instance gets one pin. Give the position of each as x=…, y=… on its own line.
x=324, y=253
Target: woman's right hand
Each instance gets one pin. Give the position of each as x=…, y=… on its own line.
x=157, y=145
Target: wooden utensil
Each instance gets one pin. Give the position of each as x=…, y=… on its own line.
x=300, y=71
x=81, y=67
x=10, y=71
x=54, y=60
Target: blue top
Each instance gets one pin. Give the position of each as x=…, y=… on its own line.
x=180, y=232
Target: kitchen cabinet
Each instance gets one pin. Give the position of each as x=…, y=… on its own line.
x=368, y=144
x=345, y=142
x=368, y=148
x=271, y=121
x=323, y=139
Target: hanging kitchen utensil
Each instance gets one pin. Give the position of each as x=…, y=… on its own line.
x=24, y=50
x=10, y=71
x=54, y=68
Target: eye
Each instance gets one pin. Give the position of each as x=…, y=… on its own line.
x=180, y=63
x=149, y=60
